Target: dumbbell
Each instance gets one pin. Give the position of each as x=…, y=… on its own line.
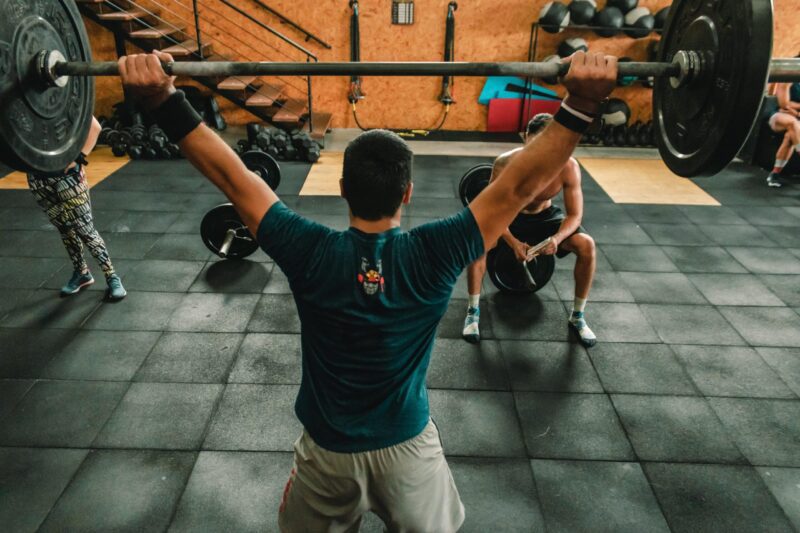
x=253, y=129
x=313, y=154
x=135, y=151
x=290, y=153
x=263, y=140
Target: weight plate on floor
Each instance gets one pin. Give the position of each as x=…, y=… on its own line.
x=42, y=128
x=215, y=226
x=701, y=126
x=508, y=275
x=473, y=182
x=263, y=165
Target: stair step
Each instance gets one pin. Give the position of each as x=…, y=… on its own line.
x=127, y=16
x=266, y=96
x=237, y=83
x=163, y=30
x=187, y=49
x=320, y=122
x=291, y=111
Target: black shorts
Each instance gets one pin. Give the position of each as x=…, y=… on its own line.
x=533, y=229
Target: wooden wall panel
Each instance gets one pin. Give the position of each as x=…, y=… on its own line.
x=486, y=30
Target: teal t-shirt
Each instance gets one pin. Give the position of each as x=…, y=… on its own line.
x=369, y=306
x=794, y=92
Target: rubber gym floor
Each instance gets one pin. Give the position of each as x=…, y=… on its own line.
x=173, y=409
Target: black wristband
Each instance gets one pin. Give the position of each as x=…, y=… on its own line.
x=81, y=160
x=176, y=117
x=571, y=121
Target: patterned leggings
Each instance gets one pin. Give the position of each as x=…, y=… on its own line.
x=65, y=199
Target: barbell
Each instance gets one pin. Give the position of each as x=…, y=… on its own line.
x=713, y=65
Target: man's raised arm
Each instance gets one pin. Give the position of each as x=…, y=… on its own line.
x=590, y=80
x=249, y=194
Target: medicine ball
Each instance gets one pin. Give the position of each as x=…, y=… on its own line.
x=554, y=17
x=616, y=112
x=623, y=5
x=610, y=20
x=639, y=23
x=661, y=19
x=570, y=46
x=582, y=11
x=551, y=59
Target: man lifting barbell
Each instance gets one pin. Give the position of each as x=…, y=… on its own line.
x=370, y=300
x=537, y=221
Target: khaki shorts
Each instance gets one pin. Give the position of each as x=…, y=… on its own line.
x=409, y=486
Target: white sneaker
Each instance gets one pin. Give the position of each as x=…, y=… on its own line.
x=585, y=334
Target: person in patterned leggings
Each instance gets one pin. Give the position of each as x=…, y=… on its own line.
x=65, y=200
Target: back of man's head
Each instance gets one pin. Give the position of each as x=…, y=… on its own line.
x=376, y=174
x=537, y=124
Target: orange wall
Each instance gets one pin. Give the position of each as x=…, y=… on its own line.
x=486, y=30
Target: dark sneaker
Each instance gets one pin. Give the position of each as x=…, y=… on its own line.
x=78, y=281
x=585, y=334
x=773, y=181
x=471, y=331
x=115, y=289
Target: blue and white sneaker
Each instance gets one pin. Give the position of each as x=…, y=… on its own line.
x=115, y=289
x=78, y=281
x=471, y=331
x=578, y=323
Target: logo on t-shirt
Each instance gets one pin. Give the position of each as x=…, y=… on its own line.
x=371, y=277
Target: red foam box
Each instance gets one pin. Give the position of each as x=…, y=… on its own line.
x=504, y=112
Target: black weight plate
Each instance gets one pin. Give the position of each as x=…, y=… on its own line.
x=473, y=182
x=42, y=129
x=265, y=166
x=215, y=226
x=702, y=126
x=506, y=272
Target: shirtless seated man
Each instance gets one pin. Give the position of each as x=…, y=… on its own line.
x=536, y=222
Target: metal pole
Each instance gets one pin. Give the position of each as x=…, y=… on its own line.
x=784, y=70
x=197, y=29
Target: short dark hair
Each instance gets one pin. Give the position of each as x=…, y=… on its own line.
x=376, y=174
x=537, y=123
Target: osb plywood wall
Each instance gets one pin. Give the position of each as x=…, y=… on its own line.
x=486, y=30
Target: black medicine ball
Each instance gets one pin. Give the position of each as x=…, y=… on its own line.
x=554, y=17
x=639, y=23
x=570, y=46
x=661, y=19
x=616, y=112
x=582, y=11
x=610, y=20
x=623, y=5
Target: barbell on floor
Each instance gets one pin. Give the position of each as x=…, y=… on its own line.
x=713, y=65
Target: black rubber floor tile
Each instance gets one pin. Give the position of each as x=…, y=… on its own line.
x=47, y=309
x=597, y=212
x=433, y=207
x=142, y=311
x=640, y=368
x=765, y=326
x=146, y=200
x=122, y=490
x=712, y=259
x=607, y=287
x=766, y=260
x=457, y=364
x=769, y=216
x=102, y=355
x=186, y=223
x=143, y=222
x=713, y=498
x=61, y=413
x=786, y=236
x=104, y=219
x=233, y=491
x=766, y=431
x=596, y=496
x=268, y=358
x=638, y=258
x=275, y=313
x=13, y=298
x=786, y=362
x=255, y=418
x=321, y=205
x=661, y=287
x=153, y=275
x=660, y=214
x=676, y=234
x=618, y=322
x=615, y=233
x=11, y=393
x=129, y=245
x=245, y=277
x=784, y=484
x=160, y=416
x=572, y=426
x=691, y=324
x=498, y=494
x=26, y=352
x=549, y=367
x=190, y=358
x=452, y=323
x=24, y=218
x=32, y=244
x=701, y=214
x=180, y=247
x=211, y=312
x=731, y=371
x=734, y=289
x=28, y=273
x=277, y=283
x=676, y=429
x=122, y=267
x=477, y=423
x=736, y=235
x=33, y=479
x=785, y=287
x=525, y=317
